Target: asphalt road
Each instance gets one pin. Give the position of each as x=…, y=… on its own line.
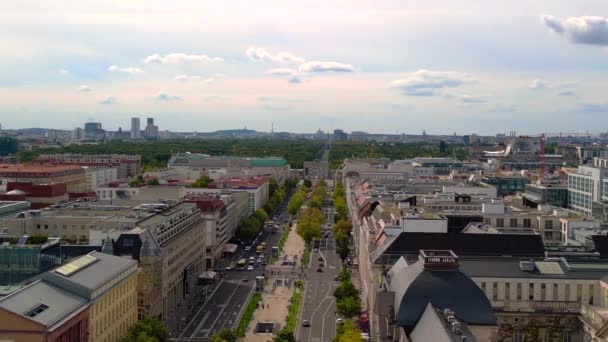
x=224, y=305
x=319, y=305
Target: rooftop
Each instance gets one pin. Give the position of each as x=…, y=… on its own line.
x=44, y=303
x=90, y=271
x=38, y=168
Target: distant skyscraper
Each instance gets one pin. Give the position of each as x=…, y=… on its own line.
x=135, y=128
x=151, y=131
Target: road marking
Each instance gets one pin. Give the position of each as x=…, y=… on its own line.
x=221, y=311
x=325, y=313
x=319, y=306
x=201, y=308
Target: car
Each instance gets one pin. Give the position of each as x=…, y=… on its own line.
x=339, y=320
x=315, y=249
x=336, y=278
x=259, y=261
x=306, y=323
x=319, y=269
x=245, y=279
x=321, y=259
x=251, y=258
x=249, y=268
x=321, y=264
x=229, y=267
x=247, y=248
x=263, y=262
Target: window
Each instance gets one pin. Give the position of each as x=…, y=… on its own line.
x=507, y=291
x=500, y=222
x=548, y=225
x=567, y=336
x=46, y=226
x=518, y=335
x=531, y=291
x=38, y=226
x=494, y=291
x=590, y=294
x=513, y=222
x=527, y=223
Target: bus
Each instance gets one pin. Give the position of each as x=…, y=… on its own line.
x=241, y=263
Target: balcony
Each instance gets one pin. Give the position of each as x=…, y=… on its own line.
x=536, y=306
x=594, y=316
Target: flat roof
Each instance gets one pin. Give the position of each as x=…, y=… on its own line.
x=551, y=269
x=94, y=274
x=38, y=168
x=52, y=303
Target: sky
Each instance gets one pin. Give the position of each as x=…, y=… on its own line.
x=382, y=66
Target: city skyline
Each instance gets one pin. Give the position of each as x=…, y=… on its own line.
x=382, y=66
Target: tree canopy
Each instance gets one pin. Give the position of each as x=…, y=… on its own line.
x=224, y=335
x=147, y=330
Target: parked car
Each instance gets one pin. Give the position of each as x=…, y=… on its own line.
x=247, y=248
x=320, y=259
x=339, y=320
x=319, y=269
x=321, y=264
x=245, y=279
x=249, y=268
x=305, y=323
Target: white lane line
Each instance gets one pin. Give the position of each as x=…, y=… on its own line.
x=323, y=325
x=221, y=311
x=199, y=310
x=319, y=306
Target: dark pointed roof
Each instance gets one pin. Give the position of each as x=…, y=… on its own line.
x=415, y=287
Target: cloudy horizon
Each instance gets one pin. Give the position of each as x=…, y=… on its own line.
x=384, y=66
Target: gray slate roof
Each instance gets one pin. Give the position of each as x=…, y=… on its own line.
x=61, y=303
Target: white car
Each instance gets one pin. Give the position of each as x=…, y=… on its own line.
x=247, y=248
x=249, y=268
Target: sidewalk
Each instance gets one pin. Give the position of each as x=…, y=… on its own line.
x=276, y=300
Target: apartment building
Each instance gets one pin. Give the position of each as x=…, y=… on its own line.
x=127, y=165
x=100, y=176
x=72, y=176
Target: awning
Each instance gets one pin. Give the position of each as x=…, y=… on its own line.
x=230, y=248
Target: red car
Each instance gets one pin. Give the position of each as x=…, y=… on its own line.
x=319, y=269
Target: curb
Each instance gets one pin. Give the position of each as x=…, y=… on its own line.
x=300, y=310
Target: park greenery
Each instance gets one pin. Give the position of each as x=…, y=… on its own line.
x=148, y=329
x=252, y=225
x=241, y=328
x=317, y=196
x=224, y=335
x=137, y=181
x=294, y=308
x=392, y=150
x=156, y=154
x=339, y=202
x=347, y=332
x=202, y=182
x=309, y=225
x=348, y=302
x=296, y=201
x=153, y=181
x=342, y=230
x=8, y=145
x=278, y=194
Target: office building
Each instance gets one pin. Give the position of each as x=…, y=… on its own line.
x=151, y=131
x=127, y=165
x=73, y=176
x=587, y=185
x=24, y=258
x=135, y=129
x=93, y=131
x=340, y=135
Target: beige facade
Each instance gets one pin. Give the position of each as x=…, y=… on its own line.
x=114, y=312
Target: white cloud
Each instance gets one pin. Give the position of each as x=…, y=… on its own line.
x=579, y=30
x=84, y=88
x=176, y=58
x=566, y=93
x=261, y=54
x=162, y=96
x=471, y=99
x=195, y=78
x=318, y=66
x=282, y=72
x=128, y=70
x=110, y=100
x=565, y=88
x=63, y=72
x=295, y=80
x=427, y=82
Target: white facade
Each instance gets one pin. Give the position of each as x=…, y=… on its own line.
x=587, y=185
x=97, y=177
x=123, y=193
